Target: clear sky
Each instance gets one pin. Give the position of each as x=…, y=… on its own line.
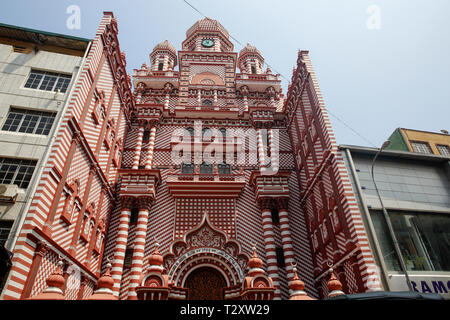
x=380, y=64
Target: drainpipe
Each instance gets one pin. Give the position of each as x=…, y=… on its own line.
x=368, y=221
x=389, y=224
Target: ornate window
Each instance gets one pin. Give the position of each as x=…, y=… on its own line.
x=207, y=102
x=72, y=203
x=187, y=168
x=224, y=168
x=206, y=168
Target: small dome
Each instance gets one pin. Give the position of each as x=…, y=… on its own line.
x=165, y=45
x=56, y=279
x=104, y=287
x=255, y=261
x=156, y=258
x=207, y=24
x=298, y=288
x=249, y=49
x=334, y=286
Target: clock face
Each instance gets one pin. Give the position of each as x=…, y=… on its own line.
x=208, y=43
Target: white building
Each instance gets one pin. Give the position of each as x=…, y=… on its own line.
x=37, y=72
x=415, y=190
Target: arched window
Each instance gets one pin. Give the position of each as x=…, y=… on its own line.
x=187, y=168
x=224, y=168
x=160, y=66
x=253, y=69
x=191, y=131
x=207, y=102
x=206, y=168
x=223, y=131
x=146, y=136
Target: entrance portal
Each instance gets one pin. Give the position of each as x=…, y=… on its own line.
x=205, y=284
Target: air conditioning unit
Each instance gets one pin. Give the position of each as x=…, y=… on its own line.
x=8, y=192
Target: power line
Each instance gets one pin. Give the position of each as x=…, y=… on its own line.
x=335, y=116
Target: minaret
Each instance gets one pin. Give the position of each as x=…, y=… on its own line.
x=163, y=57
x=250, y=60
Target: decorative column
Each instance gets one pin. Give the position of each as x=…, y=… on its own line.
x=286, y=238
x=215, y=97
x=269, y=244
x=199, y=97
x=137, y=151
x=261, y=154
x=274, y=151
x=245, y=91
x=121, y=242
x=139, y=245
x=151, y=145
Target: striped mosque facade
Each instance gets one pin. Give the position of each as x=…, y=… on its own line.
x=112, y=201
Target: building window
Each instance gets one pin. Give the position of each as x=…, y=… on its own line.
x=206, y=168
x=254, y=69
x=16, y=171
x=190, y=131
x=48, y=81
x=207, y=103
x=5, y=228
x=443, y=150
x=421, y=147
x=187, y=168
x=160, y=66
x=280, y=257
x=224, y=168
x=134, y=215
x=424, y=240
x=146, y=136
x=128, y=258
x=29, y=121
x=275, y=217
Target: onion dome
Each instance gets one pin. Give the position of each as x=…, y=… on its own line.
x=55, y=284
x=104, y=287
x=298, y=288
x=207, y=24
x=255, y=264
x=156, y=260
x=334, y=286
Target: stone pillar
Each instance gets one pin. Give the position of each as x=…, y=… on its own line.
x=121, y=243
x=199, y=97
x=151, y=145
x=286, y=238
x=137, y=150
x=139, y=246
x=269, y=244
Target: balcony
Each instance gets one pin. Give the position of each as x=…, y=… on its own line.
x=155, y=79
x=136, y=183
x=205, y=185
x=258, y=82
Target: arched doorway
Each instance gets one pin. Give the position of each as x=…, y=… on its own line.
x=205, y=283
